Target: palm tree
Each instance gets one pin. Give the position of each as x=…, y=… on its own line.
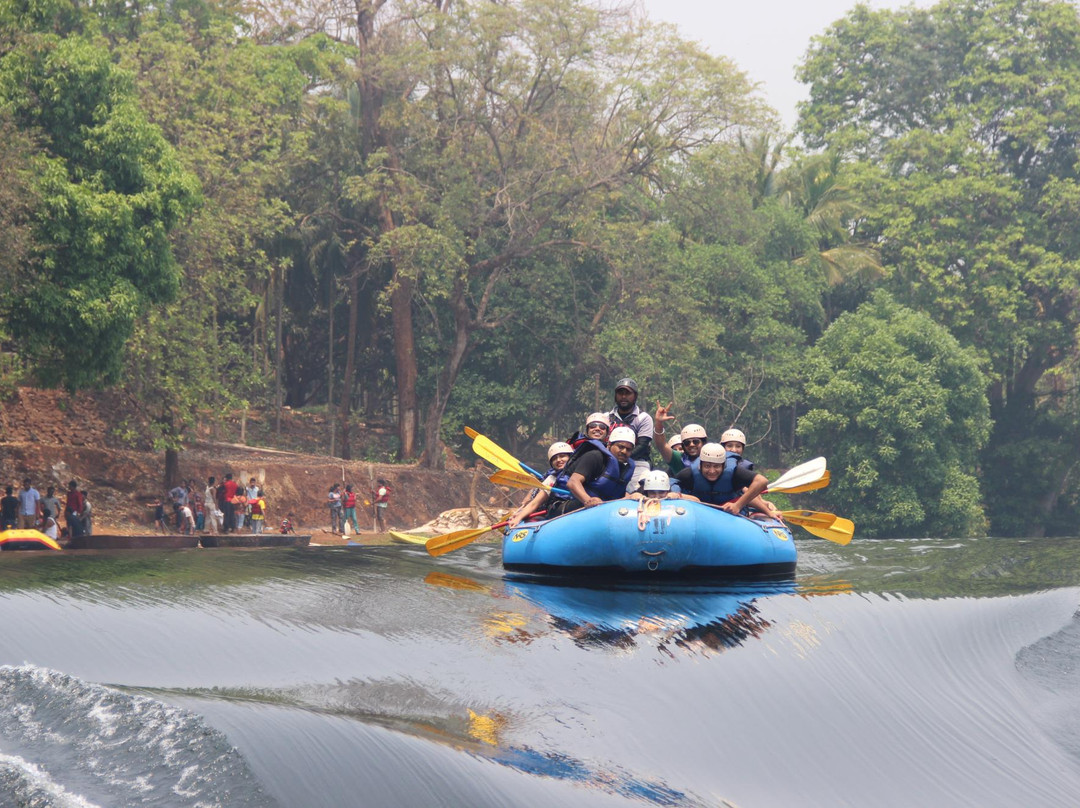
x=813, y=186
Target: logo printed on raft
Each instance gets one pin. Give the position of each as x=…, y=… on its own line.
x=780, y=534
x=521, y=534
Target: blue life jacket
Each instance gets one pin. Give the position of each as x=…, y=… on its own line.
x=722, y=490
x=611, y=484
x=562, y=480
x=688, y=463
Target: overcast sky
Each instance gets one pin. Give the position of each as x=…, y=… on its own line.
x=765, y=38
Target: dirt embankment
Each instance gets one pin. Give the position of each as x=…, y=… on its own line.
x=54, y=437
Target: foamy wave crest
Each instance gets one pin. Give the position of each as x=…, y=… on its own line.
x=110, y=748
x=26, y=785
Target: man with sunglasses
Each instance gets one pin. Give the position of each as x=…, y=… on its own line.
x=690, y=441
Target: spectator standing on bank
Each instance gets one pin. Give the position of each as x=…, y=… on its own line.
x=240, y=507
x=258, y=511
x=198, y=506
x=213, y=520
x=228, y=495
x=251, y=493
x=51, y=502
x=87, y=515
x=382, y=502
x=9, y=510
x=29, y=505
x=159, y=515
x=73, y=507
x=333, y=499
x=348, y=501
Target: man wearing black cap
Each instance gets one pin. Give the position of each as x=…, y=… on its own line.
x=628, y=413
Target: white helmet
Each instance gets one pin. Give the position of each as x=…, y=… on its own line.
x=675, y=442
x=624, y=434
x=694, y=431
x=598, y=418
x=713, y=453
x=657, y=480
x=733, y=434
x=559, y=448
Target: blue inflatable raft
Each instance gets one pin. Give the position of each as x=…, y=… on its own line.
x=668, y=538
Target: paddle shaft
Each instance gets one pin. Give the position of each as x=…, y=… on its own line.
x=518, y=480
x=459, y=538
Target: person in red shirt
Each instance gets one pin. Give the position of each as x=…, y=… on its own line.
x=348, y=501
x=228, y=505
x=73, y=508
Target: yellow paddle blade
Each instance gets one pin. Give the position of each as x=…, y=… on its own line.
x=516, y=479
x=408, y=537
x=449, y=542
x=827, y=526
x=819, y=518
x=492, y=452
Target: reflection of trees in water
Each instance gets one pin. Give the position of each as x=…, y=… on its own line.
x=589, y=635
x=720, y=635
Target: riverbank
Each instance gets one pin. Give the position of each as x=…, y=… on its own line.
x=53, y=437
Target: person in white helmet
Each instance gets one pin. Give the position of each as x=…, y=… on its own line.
x=599, y=473
x=628, y=413
x=657, y=485
x=558, y=455
x=724, y=478
x=736, y=438
x=734, y=442
x=597, y=427
x=690, y=440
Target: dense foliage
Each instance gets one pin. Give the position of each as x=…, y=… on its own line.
x=422, y=214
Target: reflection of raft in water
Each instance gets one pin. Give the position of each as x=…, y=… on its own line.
x=675, y=538
x=716, y=616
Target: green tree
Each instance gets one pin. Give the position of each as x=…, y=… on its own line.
x=900, y=409
x=521, y=130
x=963, y=119
x=231, y=108
x=109, y=191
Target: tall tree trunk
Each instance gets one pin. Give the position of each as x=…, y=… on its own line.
x=172, y=468
x=434, y=456
x=405, y=364
x=279, y=350
x=345, y=407
x=373, y=137
x=330, y=365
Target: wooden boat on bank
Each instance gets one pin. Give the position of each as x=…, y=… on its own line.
x=181, y=541
x=663, y=538
x=144, y=541
x=255, y=540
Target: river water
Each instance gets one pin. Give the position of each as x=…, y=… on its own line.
x=889, y=673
